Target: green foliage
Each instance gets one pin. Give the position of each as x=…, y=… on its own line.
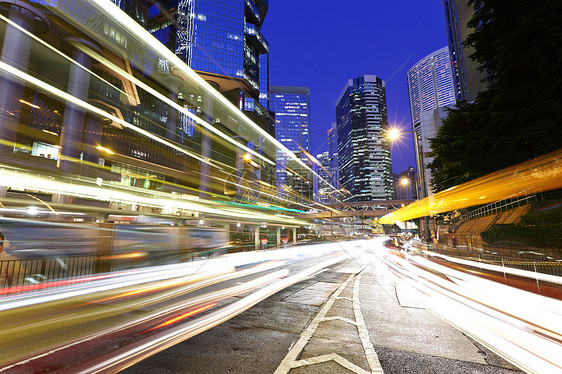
x=518, y=44
x=543, y=235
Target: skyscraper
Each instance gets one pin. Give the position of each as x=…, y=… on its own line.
x=467, y=78
x=292, y=121
x=363, y=148
x=322, y=191
x=333, y=155
x=220, y=40
x=430, y=88
x=430, y=83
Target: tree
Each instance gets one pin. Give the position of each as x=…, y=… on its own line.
x=518, y=44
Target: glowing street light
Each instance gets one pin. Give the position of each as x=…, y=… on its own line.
x=404, y=181
x=394, y=134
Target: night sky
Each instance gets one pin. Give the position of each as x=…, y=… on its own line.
x=321, y=44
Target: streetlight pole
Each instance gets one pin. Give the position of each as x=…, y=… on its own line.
x=423, y=187
x=395, y=134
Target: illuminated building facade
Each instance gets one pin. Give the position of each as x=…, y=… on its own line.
x=322, y=190
x=467, y=78
x=363, y=148
x=221, y=40
x=107, y=103
x=430, y=88
x=333, y=155
x=430, y=83
x=292, y=123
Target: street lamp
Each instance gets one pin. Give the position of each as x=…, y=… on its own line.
x=394, y=134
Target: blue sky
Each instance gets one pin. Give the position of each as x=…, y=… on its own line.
x=322, y=44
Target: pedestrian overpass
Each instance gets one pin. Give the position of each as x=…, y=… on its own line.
x=375, y=208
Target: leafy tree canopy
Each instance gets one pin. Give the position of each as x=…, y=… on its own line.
x=518, y=44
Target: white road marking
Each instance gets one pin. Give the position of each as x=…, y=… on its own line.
x=290, y=361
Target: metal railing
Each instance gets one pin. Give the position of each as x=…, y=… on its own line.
x=499, y=206
x=28, y=275
x=31, y=275
x=527, y=261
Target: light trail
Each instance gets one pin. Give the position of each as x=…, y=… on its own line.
x=29, y=319
x=150, y=198
x=540, y=174
x=523, y=327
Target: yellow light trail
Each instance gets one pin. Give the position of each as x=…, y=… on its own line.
x=541, y=174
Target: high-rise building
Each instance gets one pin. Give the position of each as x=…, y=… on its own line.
x=430, y=83
x=363, y=148
x=220, y=40
x=467, y=77
x=292, y=122
x=333, y=155
x=322, y=190
x=430, y=88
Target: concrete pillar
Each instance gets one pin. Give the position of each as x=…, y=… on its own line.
x=205, y=176
x=15, y=52
x=279, y=236
x=92, y=138
x=74, y=115
x=240, y=167
x=227, y=228
x=257, y=237
x=294, y=235
x=174, y=84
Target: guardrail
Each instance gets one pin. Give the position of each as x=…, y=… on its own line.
x=28, y=275
x=499, y=206
x=523, y=262
x=31, y=275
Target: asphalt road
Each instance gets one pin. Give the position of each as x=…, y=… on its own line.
x=351, y=318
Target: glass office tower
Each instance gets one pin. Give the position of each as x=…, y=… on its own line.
x=467, y=78
x=292, y=121
x=333, y=155
x=430, y=83
x=363, y=148
x=221, y=40
x=430, y=88
x=323, y=192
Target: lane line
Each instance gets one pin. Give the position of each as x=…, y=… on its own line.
x=343, y=319
x=291, y=357
x=370, y=353
x=290, y=361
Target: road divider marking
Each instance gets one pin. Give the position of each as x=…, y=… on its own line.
x=331, y=357
x=290, y=361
